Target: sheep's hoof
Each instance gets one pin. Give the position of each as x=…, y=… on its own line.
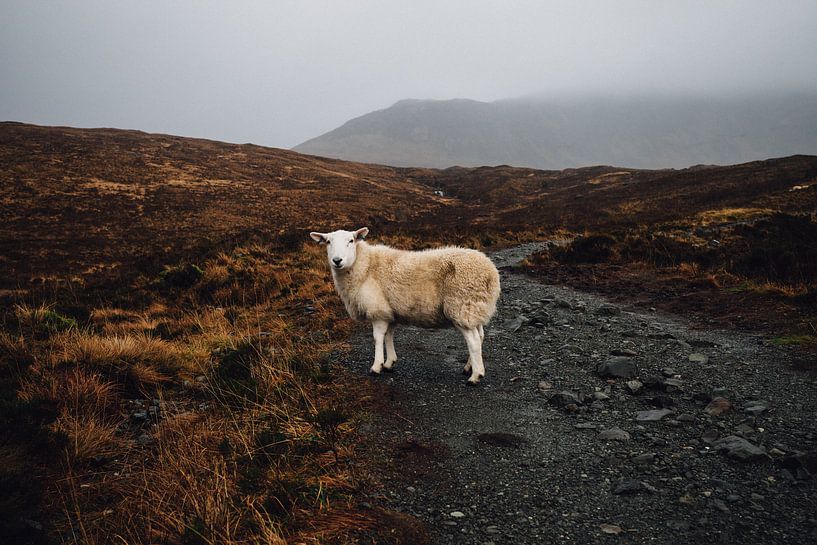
x=389, y=369
x=472, y=381
x=374, y=372
x=466, y=370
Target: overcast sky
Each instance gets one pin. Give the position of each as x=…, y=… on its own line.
x=278, y=72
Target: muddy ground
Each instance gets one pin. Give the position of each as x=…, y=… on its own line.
x=546, y=449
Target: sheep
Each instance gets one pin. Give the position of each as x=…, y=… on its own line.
x=437, y=288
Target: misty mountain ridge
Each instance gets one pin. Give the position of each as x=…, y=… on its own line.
x=556, y=133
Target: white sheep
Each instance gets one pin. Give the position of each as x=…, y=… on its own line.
x=437, y=288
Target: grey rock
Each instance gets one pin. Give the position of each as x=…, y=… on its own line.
x=564, y=398
x=608, y=309
x=739, y=448
x=614, y=434
x=627, y=352
x=644, y=459
x=634, y=386
x=628, y=486
x=756, y=408
x=698, y=358
x=618, y=367
x=145, y=439
x=515, y=323
x=653, y=415
x=600, y=396
x=673, y=384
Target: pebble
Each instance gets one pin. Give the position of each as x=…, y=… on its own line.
x=457, y=514
x=718, y=406
x=614, y=434
x=756, y=407
x=634, y=386
x=698, y=358
x=618, y=367
x=652, y=416
x=644, y=459
x=627, y=486
x=739, y=448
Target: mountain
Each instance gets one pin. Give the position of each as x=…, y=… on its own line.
x=638, y=132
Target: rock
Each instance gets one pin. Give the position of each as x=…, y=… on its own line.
x=457, y=514
x=710, y=435
x=627, y=486
x=608, y=309
x=144, y=439
x=720, y=506
x=802, y=464
x=652, y=416
x=614, y=434
x=491, y=529
x=600, y=396
x=565, y=398
x=686, y=417
x=673, y=384
x=718, y=406
x=618, y=367
x=545, y=385
x=660, y=401
x=634, y=386
x=756, y=408
x=585, y=426
x=668, y=372
x=628, y=352
x=644, y=459
x=698, y=358
x=611, y=529
x=739, y=448
x=515, y=323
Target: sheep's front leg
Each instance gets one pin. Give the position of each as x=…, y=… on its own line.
x=391, y=355
x=474, y=342
x=379, y=329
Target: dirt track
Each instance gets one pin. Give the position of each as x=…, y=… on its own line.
x=527, y=456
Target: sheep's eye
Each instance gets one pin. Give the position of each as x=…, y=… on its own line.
x=351, y=241
x=328, y=242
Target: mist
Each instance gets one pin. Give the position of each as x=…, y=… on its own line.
x=278, y=73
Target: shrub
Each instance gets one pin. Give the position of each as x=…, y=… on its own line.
x=181, y=276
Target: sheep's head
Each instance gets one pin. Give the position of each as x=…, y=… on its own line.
x=341, y=246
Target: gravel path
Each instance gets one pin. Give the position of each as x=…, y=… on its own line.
x=547, y=450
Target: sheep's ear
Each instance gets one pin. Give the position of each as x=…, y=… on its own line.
x=361, y=233
x=318, y=237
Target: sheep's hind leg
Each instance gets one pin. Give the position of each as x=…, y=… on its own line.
x=474, y=342
x=391, y=355
x=466, y=370
x=379, y=329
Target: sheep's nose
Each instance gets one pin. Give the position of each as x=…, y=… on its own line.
x=337, y=260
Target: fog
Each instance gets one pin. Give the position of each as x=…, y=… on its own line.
x=277, y=73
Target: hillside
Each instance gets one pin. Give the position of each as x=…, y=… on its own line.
x=641, y=132
x=105, y=203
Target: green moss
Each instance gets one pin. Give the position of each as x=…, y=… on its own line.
x=794, y=340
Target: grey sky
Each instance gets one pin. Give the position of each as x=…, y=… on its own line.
x=279, y=72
